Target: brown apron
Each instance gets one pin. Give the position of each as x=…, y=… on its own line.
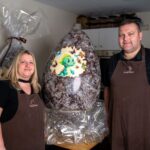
x=130, y=106
x=25, y=131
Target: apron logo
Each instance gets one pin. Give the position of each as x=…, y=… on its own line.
x=129, y=70
x=33, y=103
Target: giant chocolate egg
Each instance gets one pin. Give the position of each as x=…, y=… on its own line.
x=71, y=80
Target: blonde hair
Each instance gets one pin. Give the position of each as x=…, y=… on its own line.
x=13, y=71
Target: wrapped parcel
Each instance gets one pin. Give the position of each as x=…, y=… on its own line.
x=71, y=87
x=16, y=24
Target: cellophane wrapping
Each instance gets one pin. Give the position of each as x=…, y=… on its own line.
x=71, y=89
x=76, y=127
x=17, y=24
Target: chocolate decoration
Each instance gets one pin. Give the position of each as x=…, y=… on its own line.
x=73, y=93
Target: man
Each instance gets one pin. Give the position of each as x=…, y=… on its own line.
x=127, y=90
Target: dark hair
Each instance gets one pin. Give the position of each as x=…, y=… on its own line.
x=136, y=20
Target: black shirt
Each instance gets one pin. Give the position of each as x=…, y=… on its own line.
x=115, y=58
x=8, y=100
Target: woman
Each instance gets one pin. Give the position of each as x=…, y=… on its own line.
x=21, y=109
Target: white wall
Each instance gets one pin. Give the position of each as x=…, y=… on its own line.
x=55, y=24
x=145, y=16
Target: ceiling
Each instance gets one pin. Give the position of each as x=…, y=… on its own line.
x=94, y=8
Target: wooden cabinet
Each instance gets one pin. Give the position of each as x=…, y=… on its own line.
x=104, y=38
